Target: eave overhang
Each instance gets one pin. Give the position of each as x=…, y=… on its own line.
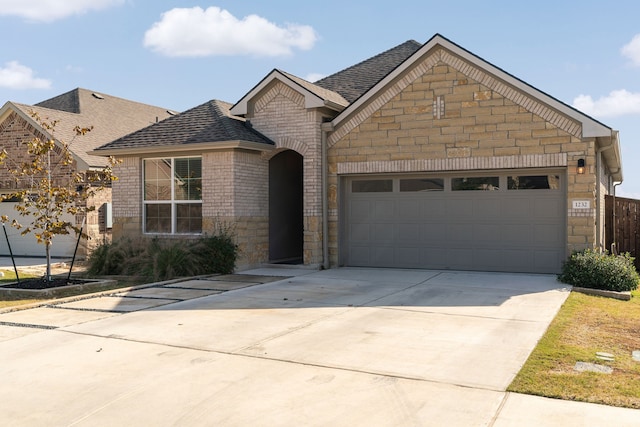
x=185, y=149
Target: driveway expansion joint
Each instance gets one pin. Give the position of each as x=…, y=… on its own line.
x=27, y=325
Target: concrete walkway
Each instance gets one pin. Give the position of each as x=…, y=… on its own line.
x=342, y=347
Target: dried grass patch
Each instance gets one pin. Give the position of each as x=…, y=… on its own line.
x=584, y=326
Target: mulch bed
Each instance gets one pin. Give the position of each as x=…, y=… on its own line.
x=41, y=283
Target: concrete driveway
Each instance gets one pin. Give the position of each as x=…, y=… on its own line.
x=342, y=347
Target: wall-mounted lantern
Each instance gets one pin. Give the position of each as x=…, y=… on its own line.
x=580, y=168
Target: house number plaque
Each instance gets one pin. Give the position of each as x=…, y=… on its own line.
x=581, y=204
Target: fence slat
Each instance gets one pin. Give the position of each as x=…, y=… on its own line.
x=623, y=228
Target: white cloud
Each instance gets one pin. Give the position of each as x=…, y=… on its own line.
x=17, y=76
x=632, y=50
x=215, y=32
x=51, y=10
x=617, y=103
x=314, y=77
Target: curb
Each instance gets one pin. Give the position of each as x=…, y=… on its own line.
x=623, y=296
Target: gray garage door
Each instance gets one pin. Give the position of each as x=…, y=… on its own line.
x=510, y=221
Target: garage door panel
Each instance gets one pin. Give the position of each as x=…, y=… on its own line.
x=518, y=207
x=488, y=208
x=433, y=232
x=490, y=233
x=491, y=258
x=408, y=256
x=433, y=207
x=359, y=255
x=547, y=208
x=546, y=233
x=433, y=257
x=516, y=259
x=501, y=230
x=408, y=232
x=460, y=258
x=515, y=233
x=382, y=233
x=457, y=208
x=383, y=256
x=360, y=210
x=409, y=210
x=384, y=210
x=359, y=233
x=461, y=232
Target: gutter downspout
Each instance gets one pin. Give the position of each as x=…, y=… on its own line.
x=325, y=128
x=614, y=245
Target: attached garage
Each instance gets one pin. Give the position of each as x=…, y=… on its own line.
x=498, y=221
x=63, y=245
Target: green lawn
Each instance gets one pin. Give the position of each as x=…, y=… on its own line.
x=10, y=277
x=584, y=326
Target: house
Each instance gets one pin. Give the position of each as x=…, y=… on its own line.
x=424, y=156
x=111, y=118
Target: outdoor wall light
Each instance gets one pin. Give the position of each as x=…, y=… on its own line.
x=580, y=169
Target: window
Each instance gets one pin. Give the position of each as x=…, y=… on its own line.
x=372, y=186
x=475, y=183
x=533, y=182
x=173, y=195
x=422, y=184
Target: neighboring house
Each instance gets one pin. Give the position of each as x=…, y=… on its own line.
x=110, y=117
x=424, y=156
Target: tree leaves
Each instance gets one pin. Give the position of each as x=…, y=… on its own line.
x=48, y=187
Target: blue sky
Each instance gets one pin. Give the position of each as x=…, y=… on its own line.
x=179, y=54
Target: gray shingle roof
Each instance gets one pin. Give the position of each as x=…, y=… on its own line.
x=208, y=122
x=354, y=81
x=320, y=91
x=110, y=116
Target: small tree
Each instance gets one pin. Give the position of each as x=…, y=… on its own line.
x=48, y=187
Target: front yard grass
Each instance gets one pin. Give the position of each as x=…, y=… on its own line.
x=10, y=277
x=584, y=326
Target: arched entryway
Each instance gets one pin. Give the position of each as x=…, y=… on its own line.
x=286, y=227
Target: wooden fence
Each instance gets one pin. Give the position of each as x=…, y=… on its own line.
x=622, y=226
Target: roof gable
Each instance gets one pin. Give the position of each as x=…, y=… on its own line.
x=314, y=95
x=441, y=50
x=438, y=48
x=111, y=118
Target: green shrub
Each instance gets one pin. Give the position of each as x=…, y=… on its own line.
x=599, y=270
x=157, y=259
x=216, y=254
x=113, y=258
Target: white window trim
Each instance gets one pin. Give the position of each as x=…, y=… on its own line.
x=173, y=202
